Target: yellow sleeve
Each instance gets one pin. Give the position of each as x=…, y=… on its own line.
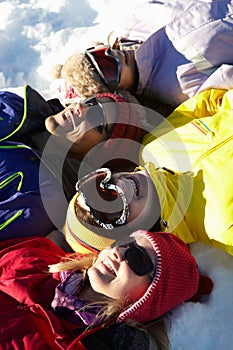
x=205, y=104
x=212, y=101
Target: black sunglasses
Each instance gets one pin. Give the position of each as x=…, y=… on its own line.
x=96, y=117
x=107, y=65
x=104, y=200
x=138, y=259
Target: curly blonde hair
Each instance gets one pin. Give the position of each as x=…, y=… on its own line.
x=82, y=76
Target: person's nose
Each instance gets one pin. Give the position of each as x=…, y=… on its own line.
x=118, y=253
x=80, y=105
x=79, y=108
x=119, y=54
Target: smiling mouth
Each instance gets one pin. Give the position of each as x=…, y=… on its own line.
x=67, y=118
x=134, y=185
x=109, y=268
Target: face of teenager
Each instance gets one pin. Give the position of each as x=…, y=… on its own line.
x=140, y=194
x=112, y=276
x=74, y=129
x=128, y=69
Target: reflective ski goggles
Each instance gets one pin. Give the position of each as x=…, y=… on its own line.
x=96, y=117
x=138, y=259
x=107, y=65
x=104, y=200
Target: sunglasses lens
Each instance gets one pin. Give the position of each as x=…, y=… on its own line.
x=105, y=203
x=96, y=119
x=95, y=116
x=107, y=64
x=138, y=260
x=113, y=207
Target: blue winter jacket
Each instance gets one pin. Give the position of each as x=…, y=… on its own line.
x=28, y=194
x=29, y=190
x=21, y=117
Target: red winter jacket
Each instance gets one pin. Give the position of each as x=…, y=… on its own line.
x=26, y=291
x=27, y=321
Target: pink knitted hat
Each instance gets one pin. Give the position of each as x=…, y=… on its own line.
x=128, y=127
x=176, y=279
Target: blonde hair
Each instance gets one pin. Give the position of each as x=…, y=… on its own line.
x=82, y=76
x=72, y=262
x=112, y=308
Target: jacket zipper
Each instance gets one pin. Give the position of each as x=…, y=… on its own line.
x=219, y=145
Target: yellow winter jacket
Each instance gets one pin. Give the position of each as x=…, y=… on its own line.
x=190, y=159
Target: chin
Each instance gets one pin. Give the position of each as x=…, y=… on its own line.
x=50, y=125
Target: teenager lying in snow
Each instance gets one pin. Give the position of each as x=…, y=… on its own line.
x=173, y=64
x=94, y=301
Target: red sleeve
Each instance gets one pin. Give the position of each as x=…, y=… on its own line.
x=24, y=269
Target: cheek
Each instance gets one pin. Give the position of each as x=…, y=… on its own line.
x=85, y=141
x=127, y=77
x=127, y=284
x=91, y=138
x=96, y=280
x=130, y=285
x=142, y=213
x=137, y=209
x=134, y=290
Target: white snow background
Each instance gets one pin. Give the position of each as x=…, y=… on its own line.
x=37, y=34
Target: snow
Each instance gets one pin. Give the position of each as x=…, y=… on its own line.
x=35, y=35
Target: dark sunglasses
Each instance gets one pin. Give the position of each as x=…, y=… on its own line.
x=107, y=65
x=96, y=117
x=98, y=191
x=138, y=259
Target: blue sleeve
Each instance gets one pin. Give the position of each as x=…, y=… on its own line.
x=31, y=198
x=11, y=113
